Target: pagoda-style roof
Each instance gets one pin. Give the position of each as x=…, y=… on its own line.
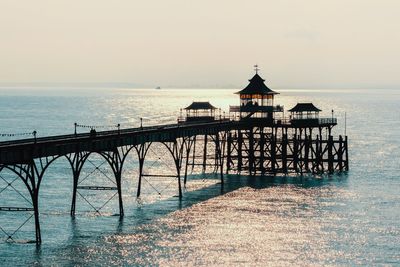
x=257, y=86
x=304, y=107
x=200, y=105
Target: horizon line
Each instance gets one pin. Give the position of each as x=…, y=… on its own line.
x=132, y=85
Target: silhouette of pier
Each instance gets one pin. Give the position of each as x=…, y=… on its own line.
x=255, y=139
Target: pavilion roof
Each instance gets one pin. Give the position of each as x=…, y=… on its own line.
x=200, y=105
x=301, y=107
x=257, y=86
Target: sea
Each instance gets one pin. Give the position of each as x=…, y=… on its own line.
x=345, y=219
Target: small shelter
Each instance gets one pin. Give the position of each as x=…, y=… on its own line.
x=256, y=101
x=304, y=111
x=256, y=93
x=199, y=112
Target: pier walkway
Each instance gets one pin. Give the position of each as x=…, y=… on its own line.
x=257, y=139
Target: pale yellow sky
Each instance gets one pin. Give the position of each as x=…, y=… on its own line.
x=207, y=43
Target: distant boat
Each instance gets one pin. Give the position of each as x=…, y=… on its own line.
x=158, y=87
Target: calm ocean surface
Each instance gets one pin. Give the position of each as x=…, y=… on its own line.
x=347, y=219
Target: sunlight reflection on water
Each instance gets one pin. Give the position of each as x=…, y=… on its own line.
x=337, y=220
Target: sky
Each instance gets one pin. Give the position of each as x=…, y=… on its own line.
x=202, y=44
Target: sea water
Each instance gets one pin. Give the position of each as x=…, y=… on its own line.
x=342, y=219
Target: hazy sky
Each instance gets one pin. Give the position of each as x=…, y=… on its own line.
x=207, y=43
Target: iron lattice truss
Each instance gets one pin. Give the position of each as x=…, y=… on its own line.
x=242, y=148
x=262, y=150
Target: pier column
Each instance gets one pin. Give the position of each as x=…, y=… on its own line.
x=118, y=176
x=220, y=155
x=273, y=152
x=141, y=150
x=116, y=159
x=250, y=153
x=307, y=143
x=346, y=153
x=35, y=178
x=295, y=152
x=284, y=153
x=330, y=154
x=35, y=203
x=318, y=160
x=176, y=149
x=340, y=153
x=262, y=150
x=76, y=160
x=31, y=175
x=240, y=150
x=205, y=153
x=228, y=155
x=188, y=145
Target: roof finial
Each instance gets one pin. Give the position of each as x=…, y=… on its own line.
x=256, y=68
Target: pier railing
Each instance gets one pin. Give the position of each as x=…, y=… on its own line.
x=305, y=121
x=253, y=146
x=254, y=108
x=327, y=120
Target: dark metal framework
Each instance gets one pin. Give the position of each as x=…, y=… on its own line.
x=276, y=149
x=246, y=147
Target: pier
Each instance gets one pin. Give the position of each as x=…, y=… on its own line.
x=255, y=138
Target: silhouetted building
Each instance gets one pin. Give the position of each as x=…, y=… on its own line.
x=199, y=112
x=304, y=111
x=256, y=101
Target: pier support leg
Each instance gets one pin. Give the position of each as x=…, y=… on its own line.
x=116, y=159
x=186, y=168
x=35, y=202
x=273, y=152
x=205, y=153
x=296, y=153
x=340, y=153
x=176, y=149
x=307, y=143
x=228, y=155
x=240, y=151
x=31, y=175
x=284, y=153
x=188, y=145
x=346, y=153
x=119, y=189
x=262, y=146
x=76, y=160
x=141, y=152
x=220, y=148
x=251, y=163
x=330, y=154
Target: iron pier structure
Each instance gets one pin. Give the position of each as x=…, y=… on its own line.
x=256, y=139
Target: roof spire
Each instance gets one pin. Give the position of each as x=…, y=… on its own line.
x=256, y=68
